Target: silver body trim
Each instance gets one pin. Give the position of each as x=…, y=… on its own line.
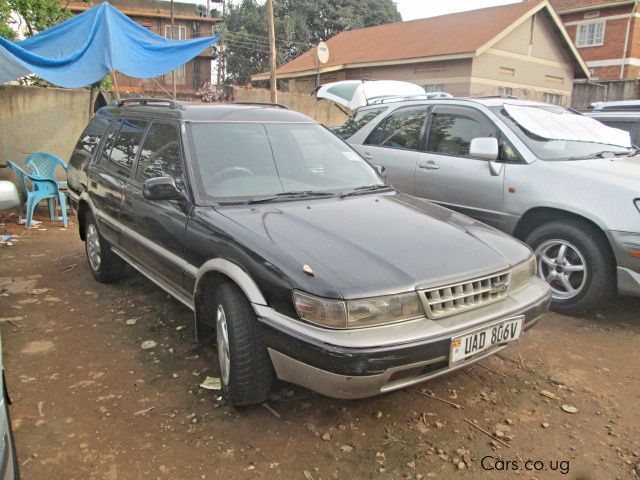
x=154, y=278
x=352, y=387
x=226, y=267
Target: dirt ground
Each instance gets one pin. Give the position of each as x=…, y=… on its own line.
x=90, y=403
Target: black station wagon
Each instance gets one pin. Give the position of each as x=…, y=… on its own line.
x=291, y=250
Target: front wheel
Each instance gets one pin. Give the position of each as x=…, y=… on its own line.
x=246, y=372
x=574, y=260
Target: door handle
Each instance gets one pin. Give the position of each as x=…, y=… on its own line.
x=429, y=165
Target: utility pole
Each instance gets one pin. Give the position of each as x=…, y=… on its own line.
x=221, y=47
x=173, y=72
x=272, y=52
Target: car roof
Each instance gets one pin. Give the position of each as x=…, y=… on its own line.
x=199, y=112
x=611, y=114
x=618, y=104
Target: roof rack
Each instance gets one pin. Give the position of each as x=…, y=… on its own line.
x=412, y=98
x=263, y=104
x=144, y=101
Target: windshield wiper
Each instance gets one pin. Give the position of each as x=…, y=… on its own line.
x=292, y=194
x=367, y=189
x=601, y=154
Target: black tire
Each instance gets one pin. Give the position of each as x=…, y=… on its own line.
x=250, y=373
x=109, y=267
x=599, y=280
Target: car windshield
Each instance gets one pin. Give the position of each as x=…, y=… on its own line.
x=552, y=149
x=248, y=161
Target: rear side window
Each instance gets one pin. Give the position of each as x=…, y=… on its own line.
x=357, y=121
x=401, y=130
x=90, y=138
x=125, y=146
x=160, y=153
x=451, y=134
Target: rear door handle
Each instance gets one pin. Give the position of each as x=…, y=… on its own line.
x=429, y=165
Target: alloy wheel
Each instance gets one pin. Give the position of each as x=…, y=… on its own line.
x=92, y=241
x=563, y=267
x=222, y=335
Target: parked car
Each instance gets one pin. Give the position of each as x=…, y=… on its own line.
x=292, y=251
x=616, y=105
x=626, y=120
x=9, y=466
x=576, y=203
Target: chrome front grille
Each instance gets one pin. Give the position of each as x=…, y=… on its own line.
x=459, y=297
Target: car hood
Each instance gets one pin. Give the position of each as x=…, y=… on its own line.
x=618, y=171
x=379, y=244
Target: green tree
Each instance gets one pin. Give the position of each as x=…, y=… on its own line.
x=299, y=25
x=30, y=16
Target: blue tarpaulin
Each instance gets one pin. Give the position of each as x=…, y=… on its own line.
x=85, y=48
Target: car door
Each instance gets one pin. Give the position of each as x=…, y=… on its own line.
x=107, y=182
x=445, y=172
x=155, y=229
x=394, y=143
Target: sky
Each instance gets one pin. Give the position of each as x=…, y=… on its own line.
x=412, y=9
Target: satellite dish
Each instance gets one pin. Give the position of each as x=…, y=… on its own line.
x=323, y=52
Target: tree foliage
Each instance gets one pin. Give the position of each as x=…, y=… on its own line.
x=299, y=25
x=30, y=16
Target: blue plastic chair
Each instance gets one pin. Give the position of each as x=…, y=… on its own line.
x=45, y=165
x=34, y=189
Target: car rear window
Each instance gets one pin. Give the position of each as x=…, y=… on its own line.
x=90, y=138
x=357, y=121
x=125, y=146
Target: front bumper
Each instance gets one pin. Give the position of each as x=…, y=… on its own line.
x=359, y=363
x=628, y=266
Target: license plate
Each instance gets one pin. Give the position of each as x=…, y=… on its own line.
x=470, y=344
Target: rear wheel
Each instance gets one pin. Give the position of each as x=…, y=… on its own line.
x=105, y=265
x=246, y=373
x=574, y=260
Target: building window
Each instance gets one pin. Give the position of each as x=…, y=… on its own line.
x=554, y=79
x=555, y=98
x=434, y=87
x=179, y=33
x=509, y=72
x=505, y=91
x=590, y=34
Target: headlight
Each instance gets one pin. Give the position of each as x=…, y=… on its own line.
x=358, y=313
x=523, y=274
x=637, y=202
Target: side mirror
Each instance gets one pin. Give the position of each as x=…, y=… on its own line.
x=484, y=148
x=380, y=169
x=161, y=188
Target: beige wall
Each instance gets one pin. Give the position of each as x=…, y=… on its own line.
x=322, y=111
x=454, y=74
x=40, y=119
x=529, y=68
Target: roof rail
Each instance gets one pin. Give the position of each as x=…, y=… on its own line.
x=144, y=101
x=263, y=104
x=413, y=98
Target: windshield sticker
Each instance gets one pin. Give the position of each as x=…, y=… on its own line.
x=566, y=126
